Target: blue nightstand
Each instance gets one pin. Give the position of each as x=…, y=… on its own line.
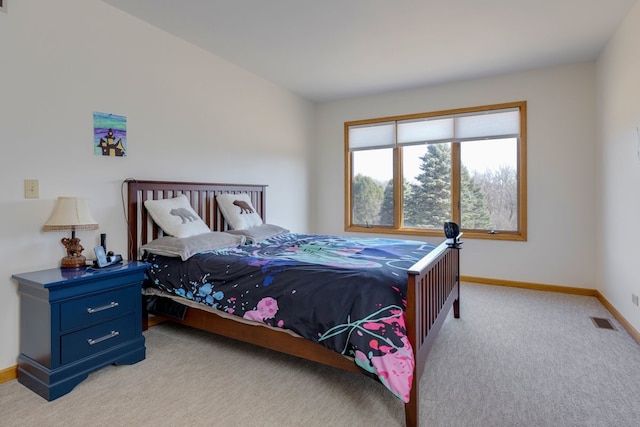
x=75, y=321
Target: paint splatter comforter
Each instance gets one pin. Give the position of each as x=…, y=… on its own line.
x=348, y=294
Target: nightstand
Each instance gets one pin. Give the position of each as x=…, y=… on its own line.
x=75, y=321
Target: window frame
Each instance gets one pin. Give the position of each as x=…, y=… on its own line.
x=518, y=235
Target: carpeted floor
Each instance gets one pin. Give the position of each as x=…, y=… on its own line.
x=514, y=358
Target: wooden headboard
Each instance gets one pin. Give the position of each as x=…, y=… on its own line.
x=201, y=195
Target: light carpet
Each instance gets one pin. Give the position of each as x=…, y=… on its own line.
x=515, y=358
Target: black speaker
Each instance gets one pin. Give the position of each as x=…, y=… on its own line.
x=103, y=241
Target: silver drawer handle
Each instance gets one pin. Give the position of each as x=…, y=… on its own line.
x=113, y=304
x=104, y=338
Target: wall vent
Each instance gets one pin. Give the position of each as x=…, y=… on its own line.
x=603, y=323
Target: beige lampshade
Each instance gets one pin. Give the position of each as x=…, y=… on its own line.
x=71, y=213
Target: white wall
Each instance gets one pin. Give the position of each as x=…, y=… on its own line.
x=190, y=116
x=618, y=153
x=560, y=160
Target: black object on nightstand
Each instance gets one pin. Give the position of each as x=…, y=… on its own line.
x=75, y=321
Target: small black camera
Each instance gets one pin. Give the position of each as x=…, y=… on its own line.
x=452, y=233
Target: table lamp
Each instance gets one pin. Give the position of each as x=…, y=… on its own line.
x=71, y=213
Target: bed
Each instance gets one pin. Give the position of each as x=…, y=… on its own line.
x=431, y=288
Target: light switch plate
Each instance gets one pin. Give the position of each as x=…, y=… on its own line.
x=31, y=189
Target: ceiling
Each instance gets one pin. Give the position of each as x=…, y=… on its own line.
x=332, y=49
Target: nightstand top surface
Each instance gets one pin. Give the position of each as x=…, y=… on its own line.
x=62, y=276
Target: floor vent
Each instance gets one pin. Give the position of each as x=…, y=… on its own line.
x=603, y=323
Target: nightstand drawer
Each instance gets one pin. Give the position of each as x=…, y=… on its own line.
x=97, y=338
x=98, y=308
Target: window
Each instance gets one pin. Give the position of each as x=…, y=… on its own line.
x=409, y=174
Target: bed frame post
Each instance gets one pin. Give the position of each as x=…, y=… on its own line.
x=132, y=219
x=456, y=302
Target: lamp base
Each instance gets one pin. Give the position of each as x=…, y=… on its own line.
x=73, y=262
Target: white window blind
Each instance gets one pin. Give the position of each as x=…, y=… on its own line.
x=378, y=135
x=425, y=130
x=493, y=124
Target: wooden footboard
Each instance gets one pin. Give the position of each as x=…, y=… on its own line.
x=432, y=288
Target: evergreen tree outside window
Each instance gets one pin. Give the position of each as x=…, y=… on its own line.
x=429, y=203
x=410, y=174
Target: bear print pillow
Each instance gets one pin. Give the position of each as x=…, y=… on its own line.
x=176, y=217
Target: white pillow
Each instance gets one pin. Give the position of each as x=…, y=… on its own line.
x=186, y=247
x=238, y=211
x=176, y=217
x=259, y=233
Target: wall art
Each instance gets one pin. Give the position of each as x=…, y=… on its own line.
x=109, y=135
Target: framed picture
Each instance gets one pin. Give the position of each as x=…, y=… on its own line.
x=3, y=6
